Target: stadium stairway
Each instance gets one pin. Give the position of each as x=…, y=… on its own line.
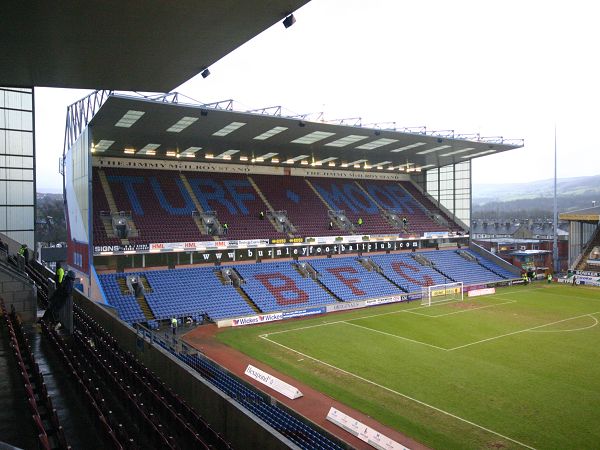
x=240, y=291
x=107, y=192
x=145, y=307
x=428, y=204
x=317, y=281
x=369, y=264
x=197, y=220
x=594, y=242
x=267, y=204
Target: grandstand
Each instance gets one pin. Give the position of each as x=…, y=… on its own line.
x=212, y=215
x=170, y=216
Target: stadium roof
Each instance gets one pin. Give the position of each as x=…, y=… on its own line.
x=157, y=129
x=583, y=215
x=146, y=46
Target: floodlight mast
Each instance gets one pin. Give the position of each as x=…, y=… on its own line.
x=555, y=240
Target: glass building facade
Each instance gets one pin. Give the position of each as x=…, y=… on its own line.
x=17, y=167
x=450, y=186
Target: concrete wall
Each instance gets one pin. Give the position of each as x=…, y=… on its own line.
x=18, y=291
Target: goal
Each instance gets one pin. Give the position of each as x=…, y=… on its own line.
x=441, y=293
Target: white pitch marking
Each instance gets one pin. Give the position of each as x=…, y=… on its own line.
x=401, y=394
x=520, y=331
x=396, y=336
x=572, y=329
x=358, y=318
x=462, y=311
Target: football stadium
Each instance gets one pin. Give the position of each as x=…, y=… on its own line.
x=254, y=279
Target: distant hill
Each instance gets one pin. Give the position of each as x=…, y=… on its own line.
x=535, y=198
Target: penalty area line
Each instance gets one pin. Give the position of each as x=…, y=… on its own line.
x=373, y=383
x=521, y=331
x=433, y=316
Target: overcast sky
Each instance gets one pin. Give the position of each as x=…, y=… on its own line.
x=512, y=68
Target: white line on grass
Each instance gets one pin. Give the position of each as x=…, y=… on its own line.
x=572, y=329
x=396, y=336
x=408, y=310
x=399, y=394
x=462, y=311
x=520, y=331
x=356, y=318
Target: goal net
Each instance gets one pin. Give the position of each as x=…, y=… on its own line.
x=441, y=293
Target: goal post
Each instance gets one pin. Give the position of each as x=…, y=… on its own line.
x=441, y=293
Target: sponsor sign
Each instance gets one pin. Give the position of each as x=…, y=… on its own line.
x=273, y=382
x=478, y=292
x=384, y=300
x=121, y=248
x=587, y=273
x=251, y=320
x=414, y=297
x=303, y=312
x=345, y=305
x=296, y=240
x=362, y=431
x=435, y=234
x=438, y=292
x=587, y=280
x=205, y=245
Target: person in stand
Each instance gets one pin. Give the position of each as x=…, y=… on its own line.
x=24, y=252
x=174, y=325
x=59, y=298
x=225, y=228
x=331, y=225
x=59, y=275
x=404, y=221
x=359, y=222
x=261, y=215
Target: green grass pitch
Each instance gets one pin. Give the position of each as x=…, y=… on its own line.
x=518, y=369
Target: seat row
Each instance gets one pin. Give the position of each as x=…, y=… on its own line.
x=162, y=203
x=277, y=286
x=296, y=430
x=45, y=418
x=127, y=401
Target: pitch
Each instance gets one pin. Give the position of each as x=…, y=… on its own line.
x=518, y=369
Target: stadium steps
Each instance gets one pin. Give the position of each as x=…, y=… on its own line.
x=146, y=284
x=145, y=307
x=107, y=192
x=190, y=191
x=467, y=256
x=491, y=270
x=421, y=260
x=381, y=272
x=428, y=212
x=247, y=299
x=369, y=195
x=123, y=286
x=310, y=185
x=320, y=283
x=368, y=264
x=443, y=273
x=108, y=228
x=594, y=242
x=267, y=204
